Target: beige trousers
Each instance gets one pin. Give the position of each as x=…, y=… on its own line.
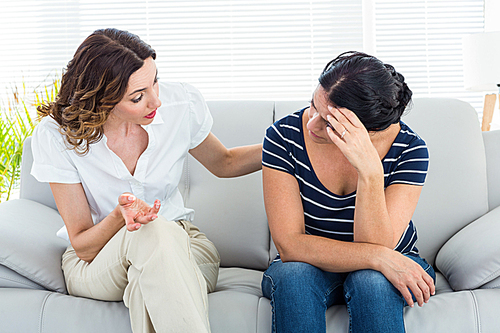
x=162, y=272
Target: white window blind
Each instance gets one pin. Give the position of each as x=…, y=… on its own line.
x=422, y=39
x=227, y=49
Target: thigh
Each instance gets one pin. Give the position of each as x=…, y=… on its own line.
x=205, y=253
x=105, y=278
x=299, y=278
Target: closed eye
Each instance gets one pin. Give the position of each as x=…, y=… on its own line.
x=138, y=99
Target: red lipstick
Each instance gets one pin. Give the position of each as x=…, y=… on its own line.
x=151, y=115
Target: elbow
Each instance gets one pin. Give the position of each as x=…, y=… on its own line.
x=224, y=169
x=82, y=252
x=87, y=257
x=287, y=254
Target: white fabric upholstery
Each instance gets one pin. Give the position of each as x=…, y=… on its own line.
x=455, y=192
x=29, y=243
x=492, y=148
x=471, y=258
x=241, y=235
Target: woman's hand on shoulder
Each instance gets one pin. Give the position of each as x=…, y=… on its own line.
x=136, y=212
x=405, y=274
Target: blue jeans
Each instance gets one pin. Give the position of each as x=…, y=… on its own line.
x=300, y=294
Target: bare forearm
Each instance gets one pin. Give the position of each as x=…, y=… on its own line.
x=88, y=243
x=332, y=255
x=241, y=161
x=372, y=223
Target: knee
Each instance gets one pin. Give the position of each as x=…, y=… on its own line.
x=291, y=276
x=368, y=285
x=160, y=232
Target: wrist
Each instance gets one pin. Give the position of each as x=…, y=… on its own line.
x=117, y=217
x=379, y=258
x=370, y=180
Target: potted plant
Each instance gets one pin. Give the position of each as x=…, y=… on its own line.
x=17, y=122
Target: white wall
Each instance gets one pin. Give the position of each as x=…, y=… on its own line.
x=491, y=15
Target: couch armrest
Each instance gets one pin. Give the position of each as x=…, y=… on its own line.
x=471, y=257
x=492, y=149
x=29, y=245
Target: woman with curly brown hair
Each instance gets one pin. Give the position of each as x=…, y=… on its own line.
x=112, y=147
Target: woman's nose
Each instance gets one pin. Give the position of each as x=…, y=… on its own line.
x=314, y=122
x=155, y=102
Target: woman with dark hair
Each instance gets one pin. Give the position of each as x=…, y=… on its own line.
x=112, y=146
x=342, y=179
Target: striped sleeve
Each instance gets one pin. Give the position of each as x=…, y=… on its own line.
x=275, y=151
x=412, y=165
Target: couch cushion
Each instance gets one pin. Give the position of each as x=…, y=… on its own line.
x=471, y=258
x=240, y=279
x=492, y=148
x=231, y=211
x=31, y=188
x=11, y=279
x=493, y=284
x=488, y=303
x=455, y=192
x=30, y=246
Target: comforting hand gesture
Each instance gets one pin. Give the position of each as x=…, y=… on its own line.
x=137, y=212
x=353, y=140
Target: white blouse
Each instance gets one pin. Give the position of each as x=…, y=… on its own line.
x=181, y=123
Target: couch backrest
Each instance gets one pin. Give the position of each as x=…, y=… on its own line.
x=491, y=141
x=455, y=192
x=231, y=211
x=31, y=188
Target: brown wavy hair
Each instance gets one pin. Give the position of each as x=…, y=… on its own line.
x=94, y=82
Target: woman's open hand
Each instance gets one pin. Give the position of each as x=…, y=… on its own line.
x=406, y=275
x=136, y=212
x=352, y=138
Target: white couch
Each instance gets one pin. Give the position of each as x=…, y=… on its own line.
x=456, y=218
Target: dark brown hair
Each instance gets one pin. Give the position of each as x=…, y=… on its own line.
x=374, y=91
x=94, y=82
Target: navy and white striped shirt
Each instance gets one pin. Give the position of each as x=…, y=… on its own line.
x=325, y=213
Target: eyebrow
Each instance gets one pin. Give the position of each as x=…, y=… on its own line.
x=139, y=90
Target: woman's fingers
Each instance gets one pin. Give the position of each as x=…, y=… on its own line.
x=340, y=130
x=351, y=117
x=156, y=207
x=425, y=291
x=410, y=279
x=136, y=212
x=405, y=292
x=418, y=293
x=126, y=199
x=430, y=282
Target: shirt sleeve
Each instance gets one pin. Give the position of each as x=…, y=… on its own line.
x=51, y=160
x=275, y=151
x=412, y=166
x=200, y=119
